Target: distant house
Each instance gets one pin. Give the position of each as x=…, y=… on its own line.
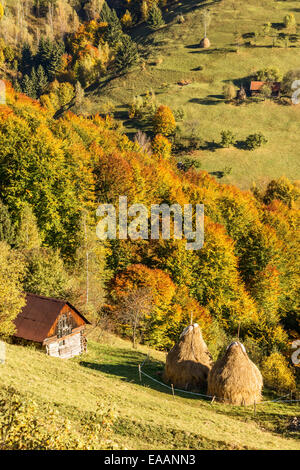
x=255, y=88
x=53, y=323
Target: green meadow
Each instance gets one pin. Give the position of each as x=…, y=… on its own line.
x=147, y=415
x=172, y=54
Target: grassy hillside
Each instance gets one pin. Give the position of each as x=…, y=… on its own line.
x=172, y=54
x=148, y=417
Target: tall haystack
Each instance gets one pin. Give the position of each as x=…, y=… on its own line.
x=234, y=378
x=189, y=361
x=205, y=43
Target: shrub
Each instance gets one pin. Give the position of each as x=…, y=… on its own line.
x=24, y=427
x=164, y=122
x=229, y=91
x=289, y=20
x=227, y=139
x=277, y=374
x=255, y=141
x=269, y=74
x=179, y=114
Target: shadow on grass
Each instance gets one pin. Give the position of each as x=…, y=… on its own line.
x=217, y=174
x=210, y=100
x=128, y=371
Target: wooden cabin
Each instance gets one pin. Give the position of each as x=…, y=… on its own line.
x=53, y=323
x=255, y=88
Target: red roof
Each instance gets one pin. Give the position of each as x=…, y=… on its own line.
x=256, y=86
x=37, y=317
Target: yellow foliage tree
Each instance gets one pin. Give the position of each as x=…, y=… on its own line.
x=277, y=374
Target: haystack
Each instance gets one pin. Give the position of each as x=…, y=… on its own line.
x=234, y=378
x=189, y=361
x=205, y=43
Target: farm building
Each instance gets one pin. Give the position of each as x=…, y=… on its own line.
x=55, y=324
x=256, y=88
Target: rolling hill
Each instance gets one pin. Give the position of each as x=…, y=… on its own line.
x=172, y=54
x=146, y=414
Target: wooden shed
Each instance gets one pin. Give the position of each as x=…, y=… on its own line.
x=53, y=323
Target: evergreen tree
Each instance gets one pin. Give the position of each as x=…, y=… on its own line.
x=42, y=80
x=49, y=56
x=127, y=54
x=28, y=87
x=26, y=59
x=105, y=13
x=155, y=19
x=58, y=49
x=114, y=31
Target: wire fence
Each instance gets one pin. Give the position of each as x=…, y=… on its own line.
x=209, y=397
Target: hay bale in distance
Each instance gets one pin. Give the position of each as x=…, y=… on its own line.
x=234, y=378
x=189, y=361
x=205, y=43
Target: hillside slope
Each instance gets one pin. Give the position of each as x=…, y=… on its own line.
x=148, y=417
x=172, y=54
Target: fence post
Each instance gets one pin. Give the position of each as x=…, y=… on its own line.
x=172, y=386
x=213, y=399
x=140, y=372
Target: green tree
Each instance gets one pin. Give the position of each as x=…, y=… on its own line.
x=11, y=297
x=26, y=59
x=127, y=54
x=49, y=56
x=29, y=87
x=269, y=74
x=255, y=141
x=45, y=273
x=7, y=232
x=227, y=139
x=42, y=80
x=155, y=19
x=114, y=30
x=28, y=236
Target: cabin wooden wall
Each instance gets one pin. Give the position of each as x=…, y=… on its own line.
x=66, y=309
x=67, y=347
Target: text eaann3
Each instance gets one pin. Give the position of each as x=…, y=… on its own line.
x=152, y=459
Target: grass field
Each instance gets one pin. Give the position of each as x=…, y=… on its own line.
x=148, y=417
x=172, y=54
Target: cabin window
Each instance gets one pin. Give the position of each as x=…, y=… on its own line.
x=64, y=325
